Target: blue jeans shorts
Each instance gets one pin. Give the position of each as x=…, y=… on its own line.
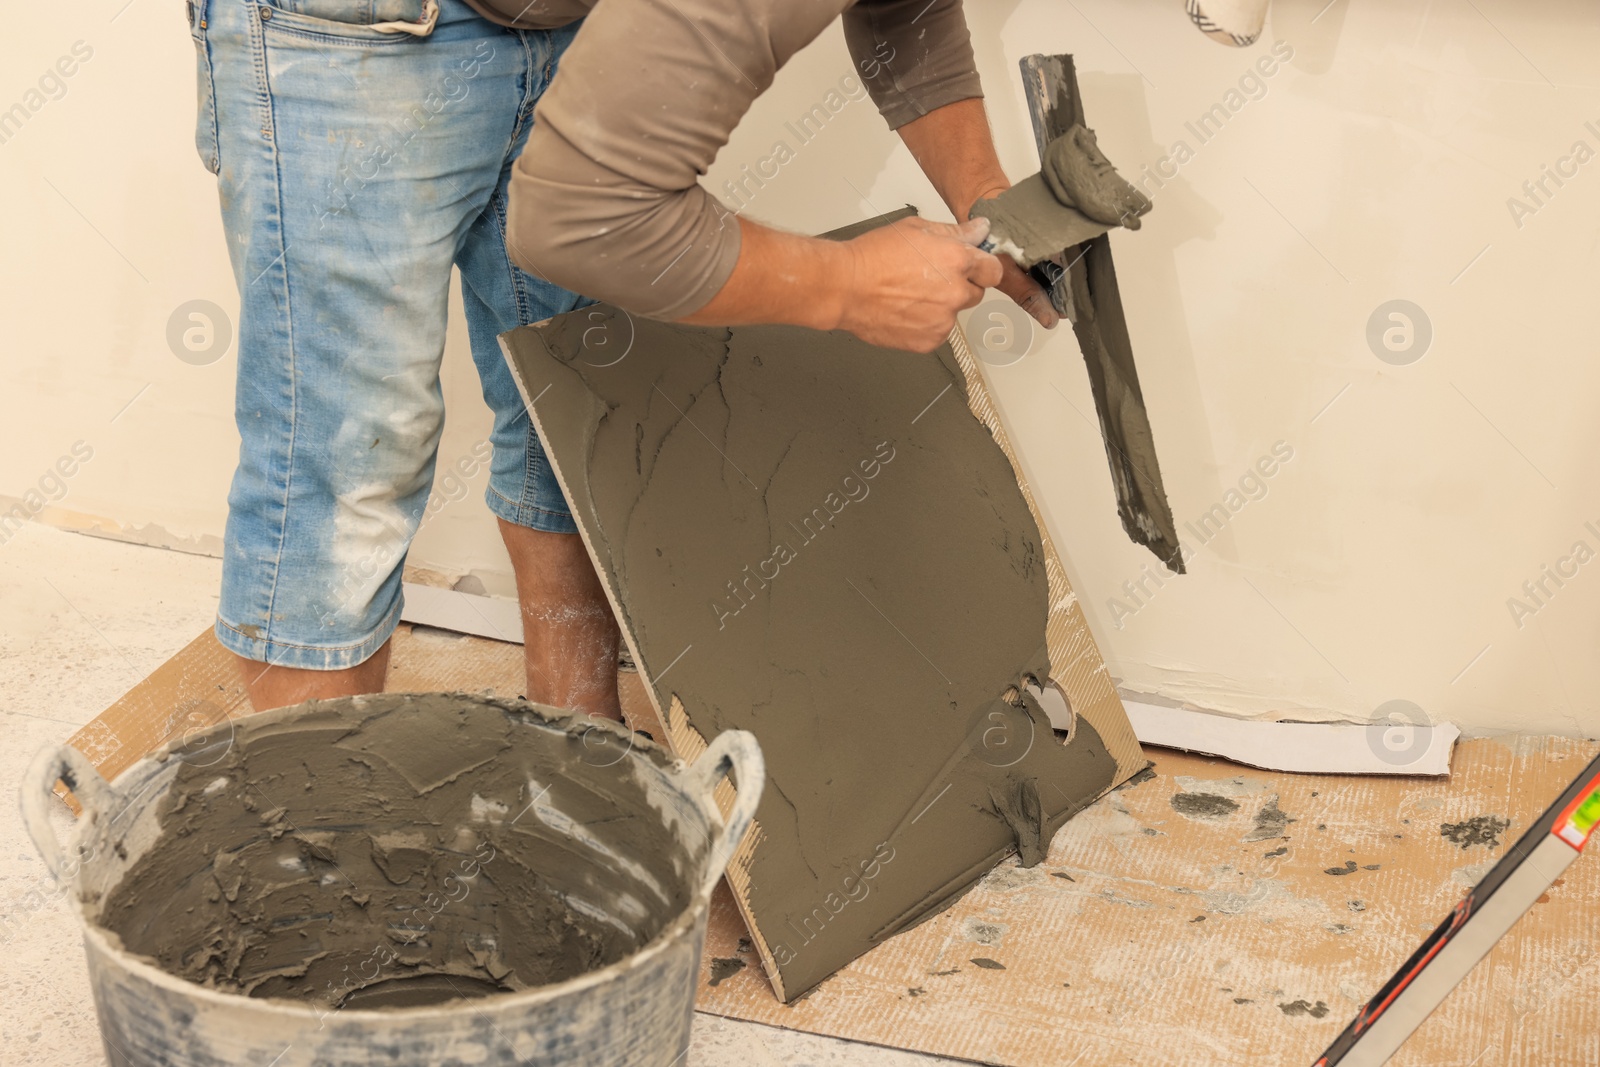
x=361, y=150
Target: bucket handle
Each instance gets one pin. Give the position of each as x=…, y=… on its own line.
x=95, y=795
x=738, y=752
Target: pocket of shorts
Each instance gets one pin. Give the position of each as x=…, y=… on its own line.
x=205, y=122
x=350, y=22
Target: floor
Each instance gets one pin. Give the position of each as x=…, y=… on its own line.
x=81, y=620
x=1210, y=915
x=1203, y=914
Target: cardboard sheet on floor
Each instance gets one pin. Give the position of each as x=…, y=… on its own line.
x=830, y=545
x=1216, y=916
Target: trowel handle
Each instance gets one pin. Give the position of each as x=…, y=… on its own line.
x=65, y=764
x=1046, y=272
x=738, y=752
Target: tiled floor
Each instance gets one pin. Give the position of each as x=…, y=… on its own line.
x=81, y=620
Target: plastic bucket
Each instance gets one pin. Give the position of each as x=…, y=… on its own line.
x=432, y=879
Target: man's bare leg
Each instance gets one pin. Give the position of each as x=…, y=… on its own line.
x=277, y=687
x=569, y=635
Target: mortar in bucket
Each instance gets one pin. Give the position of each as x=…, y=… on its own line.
x=401, y=879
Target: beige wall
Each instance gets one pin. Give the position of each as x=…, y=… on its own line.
x=1376, y=164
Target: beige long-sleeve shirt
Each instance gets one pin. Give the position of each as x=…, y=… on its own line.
x=605, y=198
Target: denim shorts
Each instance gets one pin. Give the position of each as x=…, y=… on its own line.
x=361, y=150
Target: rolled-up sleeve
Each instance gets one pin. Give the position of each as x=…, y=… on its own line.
x=605, y=198
x=915, y=56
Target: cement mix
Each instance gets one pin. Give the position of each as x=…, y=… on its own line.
x=404, y=850
x=1076, y=196
x=1081, y=177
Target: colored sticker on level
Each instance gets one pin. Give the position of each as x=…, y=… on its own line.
x=1579, y=820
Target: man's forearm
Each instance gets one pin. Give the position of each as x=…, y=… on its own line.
x=801, y=280
x=955, y=149
x=781, y=277
x=898, y=286
x=901, y=286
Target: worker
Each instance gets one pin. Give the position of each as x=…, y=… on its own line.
x=546, y=149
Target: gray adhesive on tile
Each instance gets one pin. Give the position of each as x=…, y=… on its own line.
x=815, y=540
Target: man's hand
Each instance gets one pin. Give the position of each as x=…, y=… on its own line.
x=1019, y=285
x=953, y=146
x=909, y=279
